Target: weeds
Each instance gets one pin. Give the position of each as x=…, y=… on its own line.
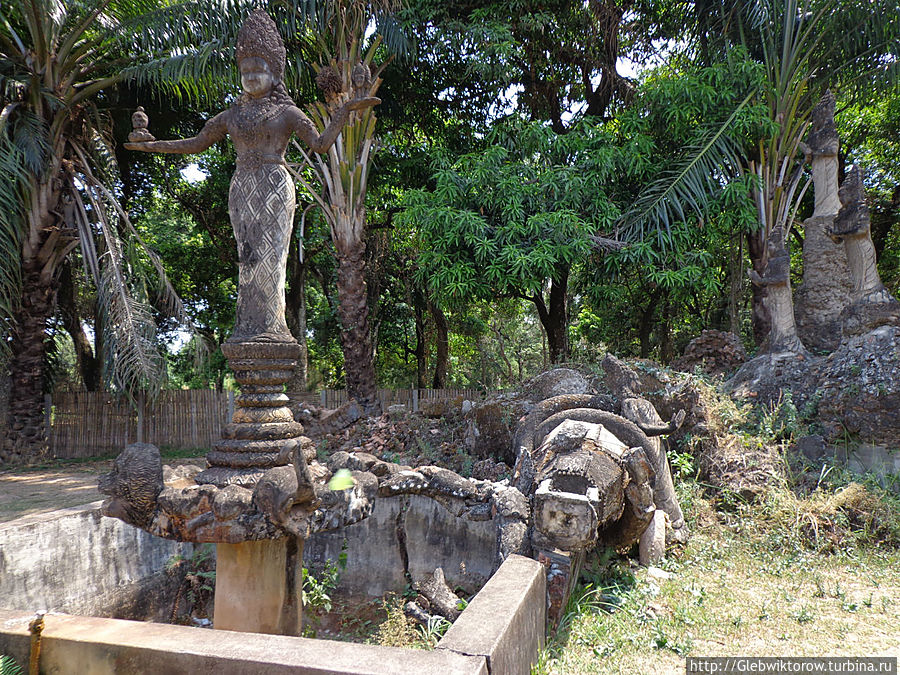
x=431, y=633
x=317, y=590
x=397, y=630
x=199, y=581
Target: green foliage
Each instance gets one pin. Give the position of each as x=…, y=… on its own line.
x=317, y=590
x=60, y=63
x=505, y=220
x=432, y=632
x=8, y=666
x=198, y=581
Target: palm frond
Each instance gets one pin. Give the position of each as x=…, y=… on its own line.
x=131, y=354
x=689, y=186
x=167, y=299
x=13, y=197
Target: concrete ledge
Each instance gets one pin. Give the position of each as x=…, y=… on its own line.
x=73, y=644
x=505, y=622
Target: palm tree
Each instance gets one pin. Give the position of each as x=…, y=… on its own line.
x=805, y=47
x=59, y=61
x=345, y=71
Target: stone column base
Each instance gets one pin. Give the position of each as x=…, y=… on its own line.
x=259, y=586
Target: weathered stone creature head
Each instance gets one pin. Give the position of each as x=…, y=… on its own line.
x=133, y=485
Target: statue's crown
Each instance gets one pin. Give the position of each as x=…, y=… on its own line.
x=259, y=37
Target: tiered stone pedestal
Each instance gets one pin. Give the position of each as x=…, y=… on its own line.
x=262, y=433
x=258, y=583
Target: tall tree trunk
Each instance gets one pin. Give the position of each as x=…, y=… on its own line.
x=353, y=313
x=442, y=338
x=736, y=274
x=645, y=326
x=501, y=347
x=26, y=434
x=665, y=332
x=88, y=364
x=760, y=320
x=45, y=246
x=421, y=342
x=295, y=304
x=545, y=359
x=554, y=317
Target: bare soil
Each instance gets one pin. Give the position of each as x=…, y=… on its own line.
x=25, y=492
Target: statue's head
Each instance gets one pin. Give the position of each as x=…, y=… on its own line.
x=260, y=54
x=256, y=76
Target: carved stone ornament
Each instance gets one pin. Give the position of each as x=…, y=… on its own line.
x=871, y=304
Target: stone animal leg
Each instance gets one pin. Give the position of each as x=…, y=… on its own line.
x=639, y=504
x=640, y=410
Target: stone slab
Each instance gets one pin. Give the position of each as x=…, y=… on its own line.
x=92, y=646
x=465, y=549
x=505, y=623
x=432, y=536
x=76, y=561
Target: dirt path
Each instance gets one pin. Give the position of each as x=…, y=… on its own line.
x=30, y=491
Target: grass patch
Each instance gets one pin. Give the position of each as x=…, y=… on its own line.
x=790, y=576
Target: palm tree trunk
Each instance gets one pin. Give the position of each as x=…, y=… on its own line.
x=760, y=320
x=26, y=435
x=295, y=304
x=645, y=325
x=356, y=338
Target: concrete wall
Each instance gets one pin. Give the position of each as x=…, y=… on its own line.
x=499, y=633
x=506, y=622
x=92, y=646
x=79, y=562
x=412, y=534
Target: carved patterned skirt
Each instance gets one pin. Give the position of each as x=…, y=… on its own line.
x=261, y=204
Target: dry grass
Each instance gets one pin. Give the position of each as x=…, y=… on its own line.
x=397, y=630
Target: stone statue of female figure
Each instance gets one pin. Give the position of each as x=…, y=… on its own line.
x=262, y=435
x=261, y=199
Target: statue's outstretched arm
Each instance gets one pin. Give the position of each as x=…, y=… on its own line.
x=305, y=129
x=214, y=130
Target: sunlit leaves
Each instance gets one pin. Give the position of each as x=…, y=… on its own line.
x=505, y=220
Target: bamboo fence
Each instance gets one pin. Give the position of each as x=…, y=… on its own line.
x=96, y=424
x=412, y=398
x=93, y=424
